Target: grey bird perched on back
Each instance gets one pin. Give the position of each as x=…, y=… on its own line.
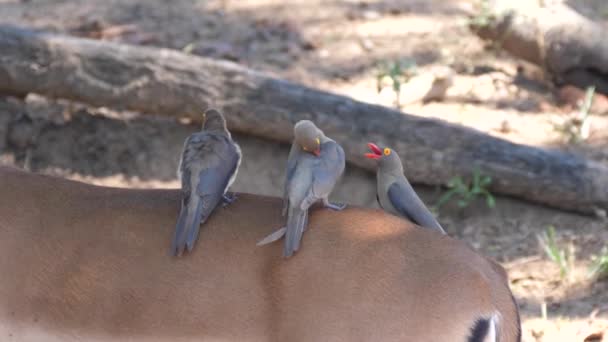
x=394, y=192
x=314, y=166
x=209, y=163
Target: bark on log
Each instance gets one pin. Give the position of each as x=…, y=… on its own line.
x=568, y=46
x=171, y=83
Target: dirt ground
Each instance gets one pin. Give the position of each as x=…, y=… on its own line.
x=340, y=45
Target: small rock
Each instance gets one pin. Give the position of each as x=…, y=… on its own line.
x=505, y=127
x=323, y=53
x=370, y=15
x=439, y=89
x=600, y=213
x=308, y=44
x=427, y=87
x=367, y=44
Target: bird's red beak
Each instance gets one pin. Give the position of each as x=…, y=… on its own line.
x=317, y=152
x=377, y=152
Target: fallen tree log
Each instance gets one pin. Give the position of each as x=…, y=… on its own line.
x=168, y=82
x=571, y=48
x=140, y=151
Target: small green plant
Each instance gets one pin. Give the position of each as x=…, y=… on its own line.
x=599, y=266
x=576, y=129
x=466, y=192
x=398, y=73
x=556, y=254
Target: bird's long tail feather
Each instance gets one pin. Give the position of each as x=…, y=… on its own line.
x=188, y=224
x=176, y=247
x=296, y=222
x=272, y=237
x=195, y=225
x=277, y=234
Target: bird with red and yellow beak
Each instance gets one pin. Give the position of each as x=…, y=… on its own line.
x=314, y=166
x=394, y=192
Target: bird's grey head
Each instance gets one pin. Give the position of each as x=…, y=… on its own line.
x=213, y=120
x=388, y=160
x=308, y=136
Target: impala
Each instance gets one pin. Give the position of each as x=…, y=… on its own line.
x=86, y=263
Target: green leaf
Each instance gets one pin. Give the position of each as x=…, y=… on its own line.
x=444, y=198
x=485, y=181
x=476, y=176
x=462, y=203
x=465, y=192
x=452, y=182
x=396, y=85
x=490, y=201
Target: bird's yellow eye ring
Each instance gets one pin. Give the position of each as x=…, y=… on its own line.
x=318, y=141
x=387, y=151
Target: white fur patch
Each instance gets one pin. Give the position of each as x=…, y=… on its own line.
x=492, y=335
x=236, y=170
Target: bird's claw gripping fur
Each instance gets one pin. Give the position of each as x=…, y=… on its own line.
x=228, y=198
x=334, y=206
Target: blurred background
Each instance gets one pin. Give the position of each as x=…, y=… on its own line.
x=437, y=59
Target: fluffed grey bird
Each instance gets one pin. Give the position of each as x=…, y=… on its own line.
x=394, y=192
x=209, y=163
x=314, y=166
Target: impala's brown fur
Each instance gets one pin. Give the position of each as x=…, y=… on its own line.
x=80, y=262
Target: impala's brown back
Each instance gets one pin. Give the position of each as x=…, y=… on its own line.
x=80, y=262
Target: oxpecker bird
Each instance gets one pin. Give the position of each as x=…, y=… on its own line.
x=314, y=166
x=394, y=192
x=208, y=166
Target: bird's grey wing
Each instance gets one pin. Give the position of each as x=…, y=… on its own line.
x=292, y=162
x=212, y=184
x=300, y=185
x=326, y=173
x=196, y=147
x=214, y=159
x=214, y=176
x=405, y=200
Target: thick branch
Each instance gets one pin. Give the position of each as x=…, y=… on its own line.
x=569, y=46
x=171, y=83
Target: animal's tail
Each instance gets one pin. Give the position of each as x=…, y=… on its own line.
x=296, y=223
